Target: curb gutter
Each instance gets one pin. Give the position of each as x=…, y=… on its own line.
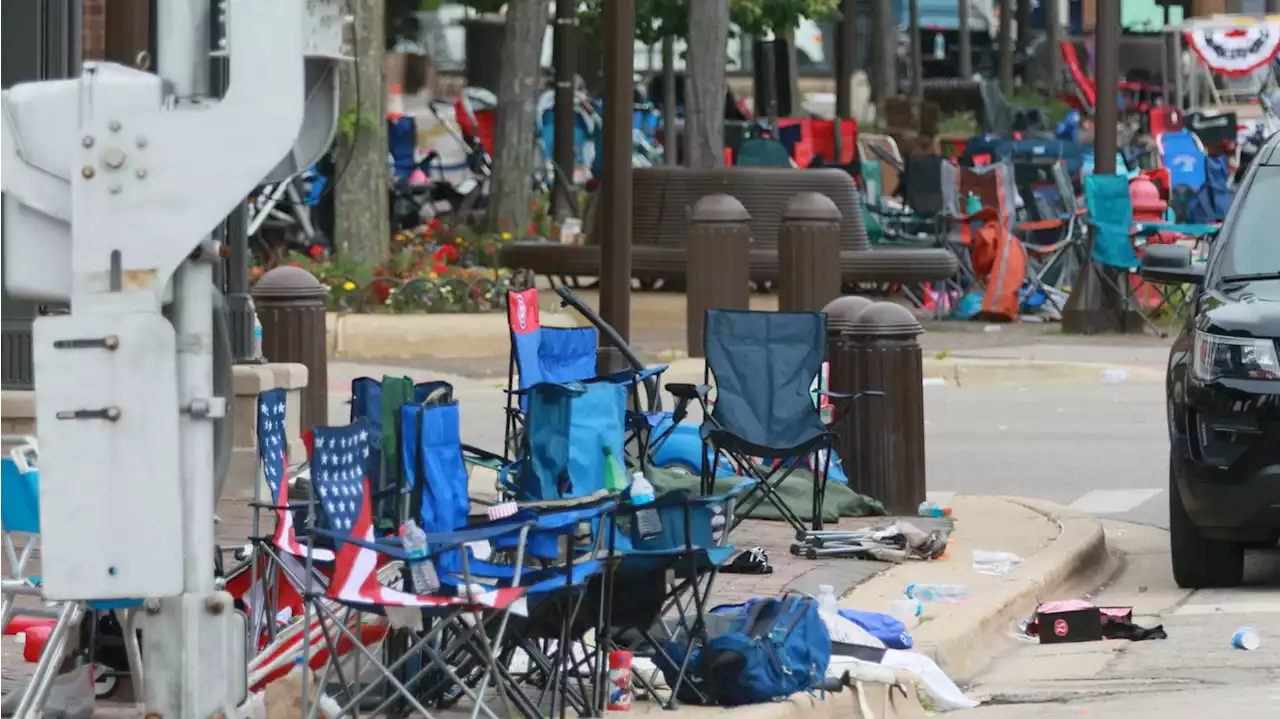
x=1076, y=562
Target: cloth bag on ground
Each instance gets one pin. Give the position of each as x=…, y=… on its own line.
x=766, y=649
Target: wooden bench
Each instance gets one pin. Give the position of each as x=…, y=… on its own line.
x=664, y=196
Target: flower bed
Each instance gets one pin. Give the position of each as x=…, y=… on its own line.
x=432, y=268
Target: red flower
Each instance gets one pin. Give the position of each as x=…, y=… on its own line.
x=439, y=268
x=446, y=253
x=433, y=223
x=294, y=264
x=533, y=229
x=316, y=252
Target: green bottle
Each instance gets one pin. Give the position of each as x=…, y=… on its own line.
x=615, y=476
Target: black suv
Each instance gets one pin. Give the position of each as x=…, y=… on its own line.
x=1223, y=387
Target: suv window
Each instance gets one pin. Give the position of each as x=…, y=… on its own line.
x=1253, y=247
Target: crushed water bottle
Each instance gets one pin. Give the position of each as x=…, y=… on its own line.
x=933, y=509
x=827, y=599
x=421, y=570
x=941, y=593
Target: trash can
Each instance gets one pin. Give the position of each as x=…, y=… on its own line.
x=881, y=444
x=290, y=305
x=808, y=253
x=717, y=256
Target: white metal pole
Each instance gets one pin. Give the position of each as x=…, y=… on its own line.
x=183, y=680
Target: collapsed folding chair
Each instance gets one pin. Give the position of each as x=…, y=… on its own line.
x=345, y=515
x=764, y=419
x=49, y=642
x=558, y=662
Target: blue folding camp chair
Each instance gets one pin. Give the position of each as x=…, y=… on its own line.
x=1211, y=202
x=1110, y=214
x=663, y=555
x=562, y=354
x=551, y=636
x=764, y=419
x=378, y=403
x=20, y=510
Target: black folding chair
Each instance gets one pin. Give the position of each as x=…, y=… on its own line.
x=763, y=418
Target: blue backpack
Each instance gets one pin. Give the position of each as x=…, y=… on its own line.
x=773, y=648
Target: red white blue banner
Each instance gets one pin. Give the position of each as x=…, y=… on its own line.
x=1236, y=51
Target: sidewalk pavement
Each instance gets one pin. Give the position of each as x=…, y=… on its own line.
x=1064, y=555
x=478, y=345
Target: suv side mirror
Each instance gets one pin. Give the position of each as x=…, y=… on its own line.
x=1170, y=265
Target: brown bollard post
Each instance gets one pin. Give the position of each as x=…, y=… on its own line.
x=808, y=253
x=841, y=366
x=290, y=305
x=718, y=257
x=882, y=442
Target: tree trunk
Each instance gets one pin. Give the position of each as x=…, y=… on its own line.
x=706, y=83
x=513, y=141
x=1005, y=40
x=362, y=229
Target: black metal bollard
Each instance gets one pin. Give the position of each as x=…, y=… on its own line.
x=882, y=445
x=808, y=253
x=718, y=263
x=290, y=305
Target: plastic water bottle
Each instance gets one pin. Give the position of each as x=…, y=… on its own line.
x=939, y=47
x=827, y=599
x=933, y=509
x=647, y=520
x=942, y=593
x=421, y=570
x=641, y=489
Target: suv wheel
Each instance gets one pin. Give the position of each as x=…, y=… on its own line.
x=1199, y=561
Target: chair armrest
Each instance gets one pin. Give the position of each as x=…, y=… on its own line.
x=845, y=396
x=1034, y=225
x=475, y=455
x=387, y=549
x=687, y=391
x=481, y=532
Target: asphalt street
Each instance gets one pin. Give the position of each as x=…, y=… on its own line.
x=1100, y=445
x=1194, y=673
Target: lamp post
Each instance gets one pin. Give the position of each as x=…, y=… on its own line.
x=615, y=215
x=1090, y=308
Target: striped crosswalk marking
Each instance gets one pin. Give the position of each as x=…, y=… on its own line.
x=1113, y=501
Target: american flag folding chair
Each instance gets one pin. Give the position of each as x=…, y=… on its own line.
x=269, y=583
x=550, y=638
x=344, y=515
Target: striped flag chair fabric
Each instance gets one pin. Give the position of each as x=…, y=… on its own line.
x=344, y=513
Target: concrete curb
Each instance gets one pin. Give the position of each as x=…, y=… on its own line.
x=1076, y=562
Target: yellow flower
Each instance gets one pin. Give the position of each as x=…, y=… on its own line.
x=348, y=285
x=432, y=276
x=506, y=235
